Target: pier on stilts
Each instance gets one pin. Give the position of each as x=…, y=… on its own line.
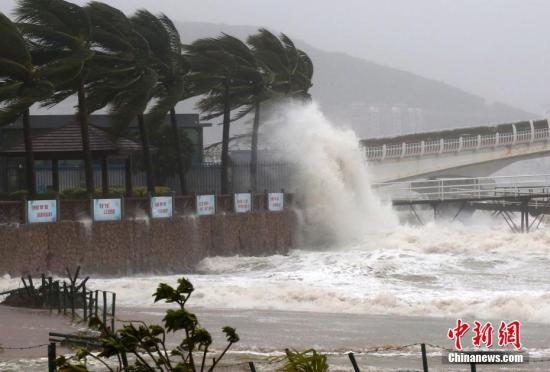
x=507, y=196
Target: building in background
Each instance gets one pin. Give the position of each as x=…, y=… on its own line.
x=11, y=169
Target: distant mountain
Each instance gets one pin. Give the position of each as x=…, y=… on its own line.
x=378, y=100
x=374, y=100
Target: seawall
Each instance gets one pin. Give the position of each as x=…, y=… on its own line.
x=127, y=247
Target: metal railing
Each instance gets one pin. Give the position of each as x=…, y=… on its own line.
x=464, y=188
x=462, y=143
x=200, y=178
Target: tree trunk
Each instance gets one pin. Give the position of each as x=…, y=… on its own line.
x=29, y=156
x=55, y=175
x=225, y=140
x=84, y=133
x=254, y=148
x=128, y=177
x=181, y=167
x=147, y=159
x=105, y=175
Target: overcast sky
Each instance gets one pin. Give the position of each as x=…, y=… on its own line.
x=498, y=49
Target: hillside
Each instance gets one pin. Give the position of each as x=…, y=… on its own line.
x=374, y=100
x=378, y=100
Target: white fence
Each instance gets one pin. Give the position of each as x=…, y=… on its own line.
x=464, y=188
x=462, y=143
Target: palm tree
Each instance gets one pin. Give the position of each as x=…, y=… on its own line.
x=60, y=35
x=287, y=72
x=21, y=85
x=226, y=69
x=125, y=74
x=165, y=43
x=292, y=67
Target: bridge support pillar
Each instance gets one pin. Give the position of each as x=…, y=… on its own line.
x=525, y=215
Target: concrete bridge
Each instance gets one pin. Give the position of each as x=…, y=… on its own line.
x=465, y=152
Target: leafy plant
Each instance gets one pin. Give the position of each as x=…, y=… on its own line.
x=24, y=194
x=82, y=193
x=147, y=343
x=159, y=190
x=306, y=361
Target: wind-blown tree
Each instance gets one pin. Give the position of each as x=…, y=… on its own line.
x=166, y=154
x=291, y=66
x=59, y=33
x=287, y=73
x=21, y=86
x=172, y=67
x=224, y=68
x=127, y=75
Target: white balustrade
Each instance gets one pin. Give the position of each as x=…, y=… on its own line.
x=458, y=144
x=464, y=188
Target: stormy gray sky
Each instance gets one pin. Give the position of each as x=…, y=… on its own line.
x=498, y=49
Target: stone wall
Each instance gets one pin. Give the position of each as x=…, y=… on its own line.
x=141, y=246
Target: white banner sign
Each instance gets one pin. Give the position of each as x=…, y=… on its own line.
x=206, y=204
x=161, y=207
x=107, y=210
x=243, y=202
x=275, y=201
x=41, y=211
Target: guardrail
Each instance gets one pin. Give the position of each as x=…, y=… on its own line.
x=458, y=144
x=464, y=188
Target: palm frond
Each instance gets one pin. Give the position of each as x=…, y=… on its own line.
x=12, y=69
x=173, y=34
x=59, y=15
x=13, y=44
x=153, y=31
x=170, y=96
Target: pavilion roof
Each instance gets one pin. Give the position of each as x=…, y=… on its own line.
x=66, y=141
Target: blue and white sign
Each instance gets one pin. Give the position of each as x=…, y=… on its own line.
x=107, y=209
x=161, y=206
x=275, y=201
x=41, y=211
x=243, y=202
x=206, y=205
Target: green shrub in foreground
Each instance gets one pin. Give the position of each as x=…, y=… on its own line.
x=147, y=343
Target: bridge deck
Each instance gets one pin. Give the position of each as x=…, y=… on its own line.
x=465, y=139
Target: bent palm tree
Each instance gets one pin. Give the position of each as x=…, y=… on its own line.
x=288, y=72
x=125, y=74
x=165, y=43
x=60, y=35
x=21, y=85
x=226, y=69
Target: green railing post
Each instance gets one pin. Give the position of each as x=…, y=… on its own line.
x=84, y=304
x=424, y=358
x=104, y=308
x=354, y=362
x=113, y=300
x=51, y=357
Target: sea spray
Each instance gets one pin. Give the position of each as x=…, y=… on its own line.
x=331, y=180
x=87, y=224
x=436, y=270
x=443, y=270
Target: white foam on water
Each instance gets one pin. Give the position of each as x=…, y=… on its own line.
x=368, y=262
x=436, y=270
